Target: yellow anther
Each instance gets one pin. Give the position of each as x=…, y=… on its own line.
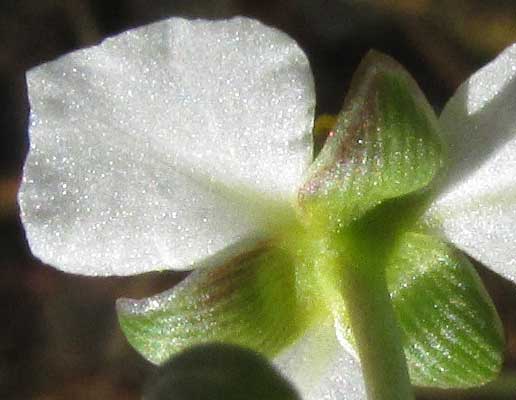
x=323, y=125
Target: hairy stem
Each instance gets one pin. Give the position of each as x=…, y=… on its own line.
x=376, y=333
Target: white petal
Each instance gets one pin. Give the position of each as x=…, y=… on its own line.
x=320, y=368
x=150, y=150
x=477, y=208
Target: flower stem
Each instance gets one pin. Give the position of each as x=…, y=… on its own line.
x=376, y=333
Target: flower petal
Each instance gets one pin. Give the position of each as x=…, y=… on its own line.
x=161, y=146
x=477, y=208
x=250, y=301
x=320, y=368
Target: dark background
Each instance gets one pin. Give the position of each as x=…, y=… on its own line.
x=59, y=338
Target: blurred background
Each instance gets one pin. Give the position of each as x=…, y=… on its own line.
x=59, y=337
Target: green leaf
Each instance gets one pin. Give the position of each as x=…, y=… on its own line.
x=250, y=301
x=452, y=333
x=385, y=145
x=218, y=372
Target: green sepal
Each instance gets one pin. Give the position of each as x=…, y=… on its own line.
x=249, y=301
x=452, y=334
x=218, y=371
x=385, y=145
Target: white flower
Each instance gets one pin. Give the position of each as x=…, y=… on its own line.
x=138, y=145
x=184, y=143
x=477, y=206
